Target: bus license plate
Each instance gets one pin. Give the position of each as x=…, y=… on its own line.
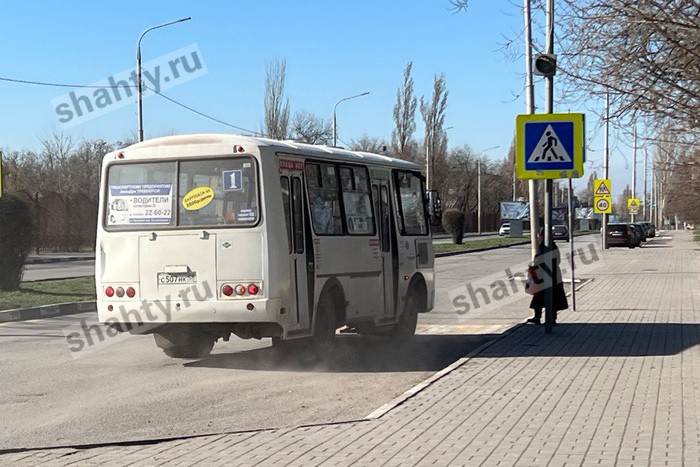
x=168, y=278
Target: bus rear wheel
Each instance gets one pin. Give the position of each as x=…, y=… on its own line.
x=185, y=344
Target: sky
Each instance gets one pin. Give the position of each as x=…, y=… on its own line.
x=333, y=50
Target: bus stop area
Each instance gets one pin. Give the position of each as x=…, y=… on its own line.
x=617, y=383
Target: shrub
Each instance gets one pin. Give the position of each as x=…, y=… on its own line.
x=453, y=223
x=15, y=240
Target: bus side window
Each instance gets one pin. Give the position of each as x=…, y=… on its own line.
x=298, y=214
x=284, y=182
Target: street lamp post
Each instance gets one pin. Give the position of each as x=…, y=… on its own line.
x=138, y=71
x=335, y=123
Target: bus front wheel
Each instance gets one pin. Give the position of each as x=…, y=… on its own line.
x=185, y=344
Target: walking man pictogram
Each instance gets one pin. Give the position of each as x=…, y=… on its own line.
x=549, y=146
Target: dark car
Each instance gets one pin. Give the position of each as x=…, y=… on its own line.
x=651, y=229
x=638, y=234
x=643, y=230
x=621, y=235
x=560, y=232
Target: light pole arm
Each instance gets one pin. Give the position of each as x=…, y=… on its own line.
x=335, y=108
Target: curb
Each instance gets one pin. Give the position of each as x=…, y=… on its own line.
x=47, y=311
x=58, y=260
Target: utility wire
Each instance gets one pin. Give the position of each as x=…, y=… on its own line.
x=66, y=85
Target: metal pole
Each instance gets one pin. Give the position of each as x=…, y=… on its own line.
x=138, y=71
x=478, y=198
x=652, y=208
x=606, y=155
x=549, y=244
x=138, y=89
x=646, y=199
x=571, y=245
x=530, y=109
x=634, y=171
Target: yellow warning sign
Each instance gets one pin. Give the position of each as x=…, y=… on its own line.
x=602, y=205
x=602, y=187
x=633, y=205
x=197, y=198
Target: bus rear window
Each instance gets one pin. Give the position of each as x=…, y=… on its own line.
x=208, y=192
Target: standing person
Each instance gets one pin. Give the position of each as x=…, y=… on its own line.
x=539, y=300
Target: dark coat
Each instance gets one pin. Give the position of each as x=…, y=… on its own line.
x=538, y=300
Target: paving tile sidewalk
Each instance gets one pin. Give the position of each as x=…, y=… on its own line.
x=617, y=383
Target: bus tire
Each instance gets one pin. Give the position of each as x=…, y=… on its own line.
x=408, y=322
x=181, y=345
x=324, y=326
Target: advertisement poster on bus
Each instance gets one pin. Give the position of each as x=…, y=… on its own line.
x=140, y=204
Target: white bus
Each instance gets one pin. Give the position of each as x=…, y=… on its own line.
x=204, y=236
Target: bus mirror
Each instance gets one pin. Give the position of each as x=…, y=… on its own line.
x=434, y=208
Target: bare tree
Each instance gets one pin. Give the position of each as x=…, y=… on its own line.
x=405, y=118
x=368, y=143
x=433, y=113
x=276, y=106
x=643, y=52
x=308, y=128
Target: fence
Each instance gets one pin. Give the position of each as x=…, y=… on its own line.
x=62, y=222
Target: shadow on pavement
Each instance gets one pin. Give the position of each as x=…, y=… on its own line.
x=599, y=340
x=356, y=354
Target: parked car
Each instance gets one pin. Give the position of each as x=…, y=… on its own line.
x=637, y=234
x=560, y=232
x=505, y=229
x=651, y=229
x=643, y=230
x=621, y=235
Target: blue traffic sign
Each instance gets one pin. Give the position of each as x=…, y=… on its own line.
x=550, y=146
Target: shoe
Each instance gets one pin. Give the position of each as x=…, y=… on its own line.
x=533, y=321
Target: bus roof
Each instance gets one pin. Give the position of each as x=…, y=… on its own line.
x=228, y=141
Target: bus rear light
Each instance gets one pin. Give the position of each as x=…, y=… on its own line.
x=120, y=292
x=130, y=292
x=120, y=155
x=253, y=289
x=109, y=291
x=110, y=308
x=239, y=149
x=240, y=289
x=227, y=290
x=250, y=306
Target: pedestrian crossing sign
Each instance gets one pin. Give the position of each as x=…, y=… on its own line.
x=602, y=187
x=633, y=205
x=550, y=146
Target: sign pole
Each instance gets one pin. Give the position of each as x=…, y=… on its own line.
x=530, y=109
x=633, y=215
x=606, y=154
x=571, y=245
x=549, y=244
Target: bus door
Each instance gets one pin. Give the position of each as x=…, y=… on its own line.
x=295, y=216
x=382, y=207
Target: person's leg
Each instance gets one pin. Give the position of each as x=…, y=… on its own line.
x=537, y=319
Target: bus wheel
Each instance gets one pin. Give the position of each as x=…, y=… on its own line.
x=185, y=345
x=324, y=326
x=406, y=327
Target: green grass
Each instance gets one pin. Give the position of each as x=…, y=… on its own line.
x=696, y=235
x=480, y=243
x=39, y=293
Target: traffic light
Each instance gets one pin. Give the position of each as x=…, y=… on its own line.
x=545, y=65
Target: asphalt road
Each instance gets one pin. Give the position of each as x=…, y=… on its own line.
x=39, y=272
x=128, y=389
